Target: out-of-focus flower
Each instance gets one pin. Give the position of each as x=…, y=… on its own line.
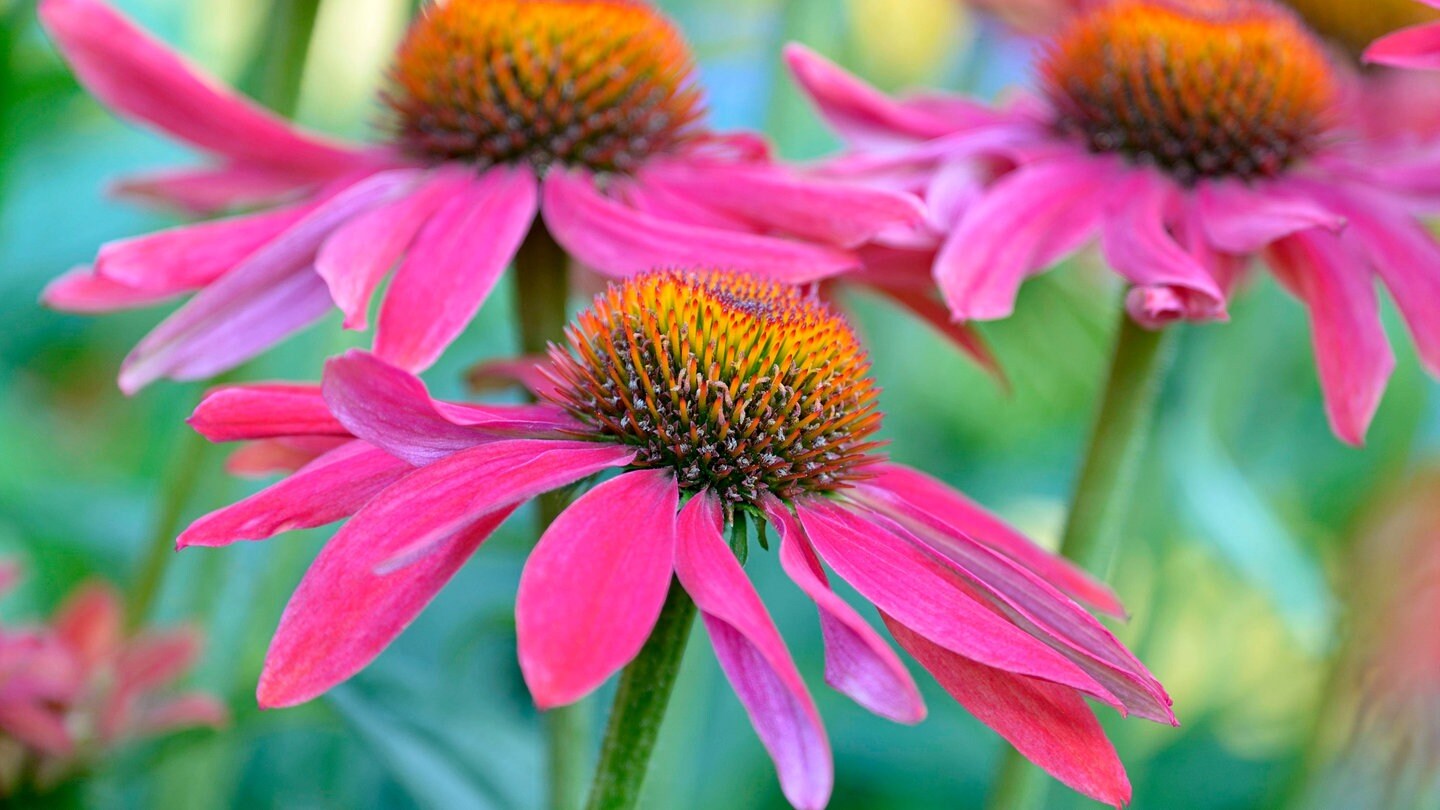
x=585, y=111
x=1189, y=138
x=710, y=394
x=1414, y=47
x=74, y=688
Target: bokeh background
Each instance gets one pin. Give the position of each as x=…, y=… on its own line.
x=1271, y=571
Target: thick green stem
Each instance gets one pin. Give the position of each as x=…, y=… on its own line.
x=542, y=285
x=1102, y=497
x=179, y=488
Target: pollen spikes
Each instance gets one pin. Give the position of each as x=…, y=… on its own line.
x=600, y=84
x=740, y=385
x=1198, y=88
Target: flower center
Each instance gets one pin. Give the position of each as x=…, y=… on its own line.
x=1354, y=25
x=738, y=384
x=1198, y=88
x=600, y=84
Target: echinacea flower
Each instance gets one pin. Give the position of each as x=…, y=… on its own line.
x=1417, y=46
x=1189, y=137
x=79, y=685
x=583, y=111
x=710, y=394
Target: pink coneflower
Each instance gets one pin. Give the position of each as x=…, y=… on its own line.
x=74, y=688
x=711, y=395
x=1415, y=47
x=585, y=111
x=1189, y=137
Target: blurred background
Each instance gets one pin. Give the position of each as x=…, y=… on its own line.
x=1277, y=579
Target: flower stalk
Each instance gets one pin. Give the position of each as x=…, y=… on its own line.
x=1102, y=498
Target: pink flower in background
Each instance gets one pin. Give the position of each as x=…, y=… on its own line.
x=588, y=115
x=1188, y=140
x=76, y=687
x=711, y=395
x=1414, y=47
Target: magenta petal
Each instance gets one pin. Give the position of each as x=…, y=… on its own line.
x=212, y=189
x=1020, y=226
x=1351, y=348
x=844, y=214
x=909, y=582
x=80, y=290
x=191, y=256
x=935, y=497
x=1047, y=723
x=270, y=295
x=390, y=408
x=858, y=662
x=334, y=486
x=862, y=115
x=594, y=585
x=264, y=411
x=359, y=254
x=618, y=240
x=266, y=457
x=36, y=725
x=1138, y=242
x=1242, y=219
x=345, y=613
x=753, y=655
x=453, y=265
x=145, y=81
x=1417, y=47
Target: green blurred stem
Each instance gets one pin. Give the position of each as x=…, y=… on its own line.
x=644, y=694
x=1102, y=498
x=542, y=287
x=276, y=75
x=180, y=486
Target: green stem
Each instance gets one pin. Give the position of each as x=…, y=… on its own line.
x=1102, y=497
x=542, y=286
x=179, y=488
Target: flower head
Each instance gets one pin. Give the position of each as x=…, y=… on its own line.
x=707, y=394
x=1187, y=137
x=78, y=686
x=581, y=112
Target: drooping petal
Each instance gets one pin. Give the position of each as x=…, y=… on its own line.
x=1047, y=723
x=359, y=254
x=1417, y=48
x=620, y=241
x=212, y=190
x=753, y=655
x=264, y=411
x=594, y=585
x=844, y=214
x=330, y=488
x=858, y=662
x=922, y=303
x=145, y=81
x=80, y=290
x=1016, y=230
x=1351, y=349
x=391, y=409
x=1137, y=241
x=1243, y=219
x=345, y=612
x=970, y=517
x=265, y=457
x=190, y=256
x=908, y=582
x=269, y=296
x=455, y=262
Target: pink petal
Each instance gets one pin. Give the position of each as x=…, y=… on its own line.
x=270, y=295
x=907, y=581
x=211, y=189
x=835, y=213
x=345, y=613
x=191, y=256
x=529, y=372
x=359, y=254
x=36, y=725
x=186, y=711
x=155, y=660
x=1016, y=230
x=595, y=584
x=145, y=81
x=453, y=265
x=940, y=500
x=330, y=488
x=258, y=459
x=90, y=623
x=618, y=240
x=1138, y=243
x=391, y=409
x=264, y=411
x=1244, y=219
x=923, y=304
x=80, y=290
x=753, y=655
x=1351, y=348
x=858, y=662
x=1047, y=723
x=862, y=115
x=1417, y=47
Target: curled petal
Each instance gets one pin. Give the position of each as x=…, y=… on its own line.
x=862, y=115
